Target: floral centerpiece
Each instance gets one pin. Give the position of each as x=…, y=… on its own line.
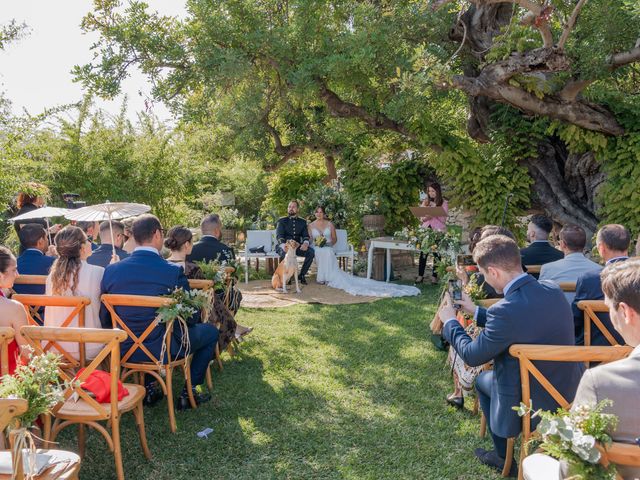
x=573, y=437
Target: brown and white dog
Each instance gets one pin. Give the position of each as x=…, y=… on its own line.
x=287, y=268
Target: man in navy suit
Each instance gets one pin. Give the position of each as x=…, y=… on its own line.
x=102, y=255
x=145, y=272
x=612, y=243
x=210, y=248
x=34, y=259
x=531, y=312
x=539, y=251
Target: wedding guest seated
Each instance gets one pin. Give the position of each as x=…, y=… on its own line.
x=531, y=312
x=91, y=229
x=178, y=241
x=210, y=248
x=34, y=260
x=295, y=228
x=72, y=275
x=617, y=381
x=12, y=313
x=103, y=255
x=145, y=272
x=612, y=242
x=574, y=264
x=539, y=251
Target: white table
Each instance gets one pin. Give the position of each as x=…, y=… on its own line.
x=388, y=244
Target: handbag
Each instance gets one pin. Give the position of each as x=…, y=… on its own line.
x=259, y=249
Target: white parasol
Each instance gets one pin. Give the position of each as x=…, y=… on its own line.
x=44, y=212
x=107, y=211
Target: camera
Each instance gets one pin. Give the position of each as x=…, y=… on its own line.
x=465, y=260
x=71, y=199
x=455, y=292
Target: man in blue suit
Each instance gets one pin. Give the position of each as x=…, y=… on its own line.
x=33, y=260
x=539, y=251
x=102, y=255
x=145, y=272
x=531, y=313
x=612, y=243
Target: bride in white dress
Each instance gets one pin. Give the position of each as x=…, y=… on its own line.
x=329, y=273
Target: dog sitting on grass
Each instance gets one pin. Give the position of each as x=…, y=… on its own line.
x=287, y=268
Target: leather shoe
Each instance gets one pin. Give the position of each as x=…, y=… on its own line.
x=302, y=280
x=457, y=402
x=493, y=460
x=184, y=404
x=152, y=396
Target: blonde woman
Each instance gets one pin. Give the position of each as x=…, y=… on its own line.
x=71, y=275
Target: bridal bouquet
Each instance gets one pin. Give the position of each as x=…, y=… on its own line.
x=572, y=436
x=320, y=241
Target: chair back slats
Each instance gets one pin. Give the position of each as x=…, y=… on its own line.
x=620, y=453
x=10, y=408
x=32, y=303
x=568, y=287
x=534, y=269
x=111, y=301
x=590, y=309
x=111, y=347
x=6, y=336
x=527, y=354
x=31, y=280
x=197, y=284
x=486, y=303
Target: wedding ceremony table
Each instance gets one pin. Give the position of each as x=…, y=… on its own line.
x=388, y=243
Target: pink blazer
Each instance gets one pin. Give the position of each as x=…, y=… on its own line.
x=438, y=223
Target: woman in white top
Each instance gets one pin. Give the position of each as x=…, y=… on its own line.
x=329, y=273
x=71, y=275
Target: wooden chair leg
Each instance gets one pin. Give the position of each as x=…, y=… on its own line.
x=172, y=414
x=483, y=425
x=186, y=368
x=46, y=430
x=476, y=406
x=117, y=452
x=138, y=412
x=509, y=460
x=218, y=357
x=209, y=378
x=82, y=440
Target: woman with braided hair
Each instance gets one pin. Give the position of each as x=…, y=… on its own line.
x=71, y=275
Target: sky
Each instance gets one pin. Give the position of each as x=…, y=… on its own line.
x=35, y=71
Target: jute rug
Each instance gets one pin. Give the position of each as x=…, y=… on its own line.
x=259, y=294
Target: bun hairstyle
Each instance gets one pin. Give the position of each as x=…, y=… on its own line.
x=6, y=259
x=177, y=237
x=66, y=268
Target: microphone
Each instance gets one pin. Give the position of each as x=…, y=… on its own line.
x=504, y=211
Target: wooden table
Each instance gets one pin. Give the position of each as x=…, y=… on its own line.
x=388, y=243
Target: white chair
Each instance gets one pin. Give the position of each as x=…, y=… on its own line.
x=256, y=238
x=343, y=248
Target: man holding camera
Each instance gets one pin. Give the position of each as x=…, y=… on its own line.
x=530, y=313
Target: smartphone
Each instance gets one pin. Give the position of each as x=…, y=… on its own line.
x=455, y=291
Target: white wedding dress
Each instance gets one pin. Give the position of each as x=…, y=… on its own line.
x=330, y=273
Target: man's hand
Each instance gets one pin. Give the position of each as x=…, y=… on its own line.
x=462, y=275
x=447, y=312
x=466, y=304
x=53, y=229
x=114, y=259
x=304, y=247
x=51, y=251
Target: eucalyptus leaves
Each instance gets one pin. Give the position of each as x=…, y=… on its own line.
x=185, y=304
x=572, y=436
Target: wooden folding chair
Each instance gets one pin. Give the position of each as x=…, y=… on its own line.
x=618, y=453
x=69, y=463
x=33, y=303
x=568, y=287
x=534, y=269
x=6, y=337
x=30, y=280
x=590, y=308
x=86, y=410
x=526, y=355
x=155, y=365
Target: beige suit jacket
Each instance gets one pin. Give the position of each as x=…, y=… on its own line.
x=620, y=382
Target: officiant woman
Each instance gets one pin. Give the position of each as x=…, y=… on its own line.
x=433, y=199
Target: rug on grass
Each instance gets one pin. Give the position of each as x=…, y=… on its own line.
x=259, y=294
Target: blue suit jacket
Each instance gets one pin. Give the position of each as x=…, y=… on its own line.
x=532, y=312
x=588, y=287
x=101, y=256
x=142, y=273
x=33, y=262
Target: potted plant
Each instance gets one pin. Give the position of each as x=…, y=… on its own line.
x=372, y=218
x=231, y=223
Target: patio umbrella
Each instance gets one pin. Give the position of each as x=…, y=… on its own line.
x=44, y=212
x=107, y=211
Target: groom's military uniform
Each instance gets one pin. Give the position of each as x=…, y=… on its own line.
x=294, y=228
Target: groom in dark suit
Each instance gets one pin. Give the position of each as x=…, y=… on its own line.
x=531, y=312
x=295, y=228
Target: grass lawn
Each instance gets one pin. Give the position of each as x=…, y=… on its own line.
x=335, y=392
